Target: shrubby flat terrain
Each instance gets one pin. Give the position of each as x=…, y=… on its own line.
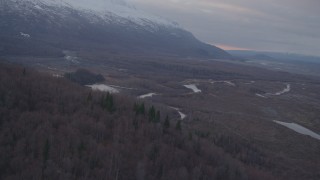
x=54, y=129
x=226, y=131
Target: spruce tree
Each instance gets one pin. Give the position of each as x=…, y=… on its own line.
x=109, y=105
x=89, y=98
x=166, y=122
x=46, y=151
x=139, y=108
x=136, y=108
x=152, y=114
x=157, y=118
x=178, y=125
x=142, y=108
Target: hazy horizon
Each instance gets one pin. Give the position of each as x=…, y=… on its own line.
x=289, y=26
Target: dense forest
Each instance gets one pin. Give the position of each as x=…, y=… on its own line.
x=52, y=128
x=84, y=77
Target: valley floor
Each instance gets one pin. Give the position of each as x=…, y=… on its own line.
x=215, y=99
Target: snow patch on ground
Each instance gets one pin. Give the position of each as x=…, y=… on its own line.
x=103, y=88
x=25, y=35
x=251, y=82
x=57, y=75
x=299, y=129
x=38, y=7
x=120, y=87
x=226, y=82
x=193, y=87
x=147, y=95
x=285, y=90
x=52, y=68
x=71, y=57
x=260, y=95
x=182, y=115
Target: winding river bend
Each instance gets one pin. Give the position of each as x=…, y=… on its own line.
x=182, y=115
x=285, y=90
x=193, y=87
x=103, y=88
x=299, y=129
x=146, y=95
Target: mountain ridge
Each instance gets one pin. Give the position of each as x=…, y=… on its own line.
x=51, y=27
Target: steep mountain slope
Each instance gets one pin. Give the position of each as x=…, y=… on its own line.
x=46, y=27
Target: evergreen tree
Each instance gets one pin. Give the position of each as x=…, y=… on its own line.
x=166, y=122
x=46, y=150
x=135, y=123
x=102, y=101
x=89, y=98
x=139, y=108
x=190, y=136
x=110, y=104
x=152, y=114
x=142, y=109
x=107, y=103
x=136, y=108
x=81, y=148
x=157, y=118
x=178, y=125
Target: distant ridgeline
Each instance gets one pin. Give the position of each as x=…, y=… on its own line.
x=84, y=77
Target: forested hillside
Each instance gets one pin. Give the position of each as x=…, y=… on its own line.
x=51, y=128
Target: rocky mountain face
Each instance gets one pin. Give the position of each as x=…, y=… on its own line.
x=47, y=27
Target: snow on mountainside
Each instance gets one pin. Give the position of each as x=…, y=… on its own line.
x=111, y=26
x=103, y=8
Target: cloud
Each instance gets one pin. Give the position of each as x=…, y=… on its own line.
x=230, y=8
x=272, y=25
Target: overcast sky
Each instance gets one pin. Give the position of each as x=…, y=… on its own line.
x=268, y=25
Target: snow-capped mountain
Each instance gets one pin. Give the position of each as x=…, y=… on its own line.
x=47, y=27
x=99, y=8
